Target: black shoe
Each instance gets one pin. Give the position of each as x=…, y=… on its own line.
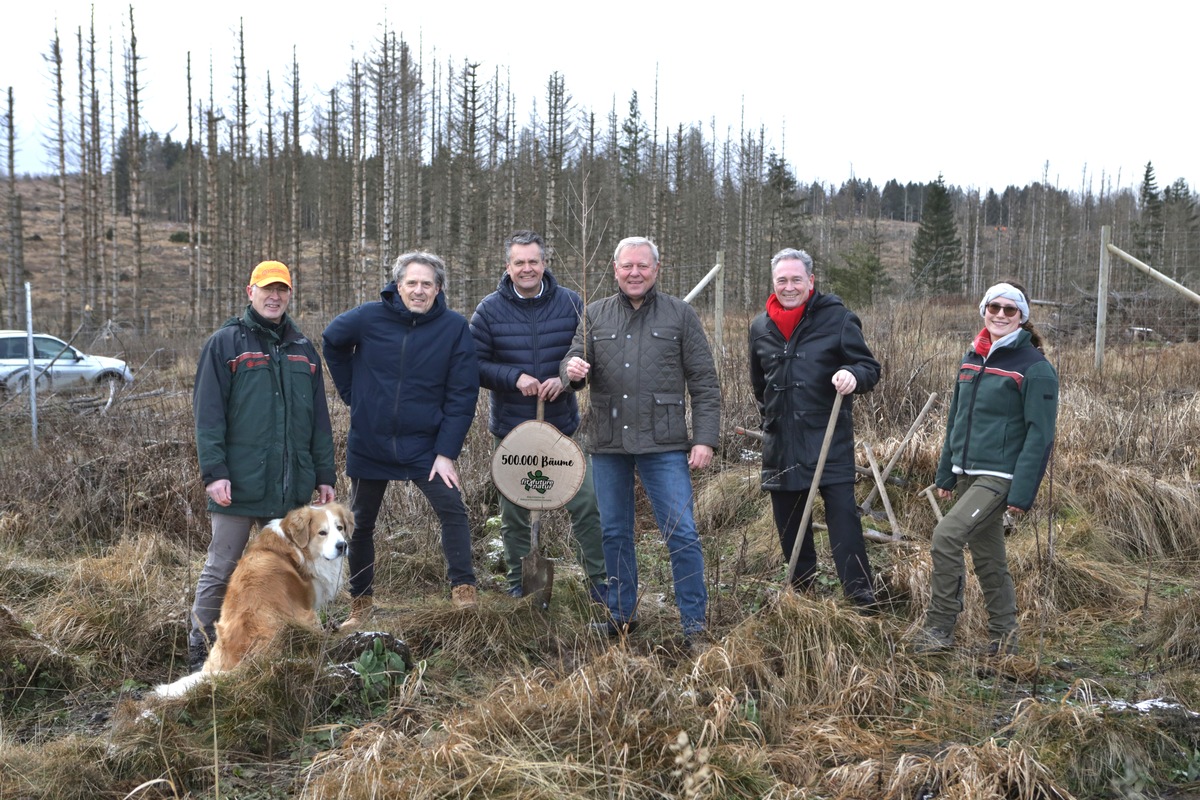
x=1003, y=646
x=612, y=629
x=865, y=604
x=197, y=655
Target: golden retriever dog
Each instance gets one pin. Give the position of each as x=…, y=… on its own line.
x=292, y=568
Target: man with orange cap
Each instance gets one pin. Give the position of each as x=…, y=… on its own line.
x=263, y=435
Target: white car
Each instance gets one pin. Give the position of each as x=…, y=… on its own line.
x=57, y=365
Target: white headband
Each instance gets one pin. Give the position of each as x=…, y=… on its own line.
x=1009, y=291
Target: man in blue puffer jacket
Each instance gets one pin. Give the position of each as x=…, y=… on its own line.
x=405, y=364
x=522, y=331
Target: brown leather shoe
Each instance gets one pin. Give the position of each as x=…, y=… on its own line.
x=360, y=612
x=465, y=595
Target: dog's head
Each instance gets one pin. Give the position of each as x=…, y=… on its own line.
x=319, y=531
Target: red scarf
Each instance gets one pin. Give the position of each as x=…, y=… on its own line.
x=983, y=343
x=786, y=319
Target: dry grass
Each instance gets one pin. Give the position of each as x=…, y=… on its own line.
x=103, y=529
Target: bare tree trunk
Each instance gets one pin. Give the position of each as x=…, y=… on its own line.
x=294, y=158
x=60, y=146
x=193, y=193
x=135, y=172
x=273, y=239
x=16, y=266
x=95, y=183
x=556, y=136
x=85, y=178
x=112, y=274
x=241, y=258
x=359, y=181
x=212, y=261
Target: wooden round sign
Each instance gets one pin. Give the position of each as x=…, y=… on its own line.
x=537, y=466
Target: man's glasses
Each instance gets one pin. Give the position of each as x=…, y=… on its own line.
x=1008, y=311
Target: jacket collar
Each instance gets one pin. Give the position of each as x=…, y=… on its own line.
x=647, y=298
x=549, y=287
x=253, y=321
x=390, y=296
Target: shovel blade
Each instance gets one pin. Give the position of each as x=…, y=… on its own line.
x=537, y=578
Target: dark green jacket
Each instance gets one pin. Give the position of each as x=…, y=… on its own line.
x=262, y=421
x=1002, y=419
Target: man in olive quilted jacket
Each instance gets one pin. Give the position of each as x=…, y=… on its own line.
x=645, y=357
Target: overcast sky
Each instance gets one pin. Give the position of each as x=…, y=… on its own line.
x=986, y=94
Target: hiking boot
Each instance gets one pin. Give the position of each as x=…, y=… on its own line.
x=197, y=655
x=865, y=604
x=1003, y=646
x=612, y=629
x=932, y=640
x=465, y=595
x=360, y=612
x=697, y=640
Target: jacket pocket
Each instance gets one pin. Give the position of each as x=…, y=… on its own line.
x=669, y=418
x=247, y=473
x=665, y=342
x=304, y=480
x=602, y=419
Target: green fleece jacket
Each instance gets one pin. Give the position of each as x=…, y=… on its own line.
x=1002, y=419
x=262, y=420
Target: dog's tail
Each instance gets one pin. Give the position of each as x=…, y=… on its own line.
x=180, y=687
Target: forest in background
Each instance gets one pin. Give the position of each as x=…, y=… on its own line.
x=406, y=154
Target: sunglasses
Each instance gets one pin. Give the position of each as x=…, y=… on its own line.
x=1008, y=311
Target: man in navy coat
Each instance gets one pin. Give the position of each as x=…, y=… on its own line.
x=522, y=331
x=405, y=364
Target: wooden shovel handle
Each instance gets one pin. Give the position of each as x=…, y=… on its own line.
x=812, y=490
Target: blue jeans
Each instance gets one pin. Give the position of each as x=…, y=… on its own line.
x=668, y=484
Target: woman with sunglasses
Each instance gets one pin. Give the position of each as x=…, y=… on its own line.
x=998, y=439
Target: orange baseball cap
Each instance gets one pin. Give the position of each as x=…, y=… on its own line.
x=269, y=272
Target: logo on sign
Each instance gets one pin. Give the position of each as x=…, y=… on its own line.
x=537, y=482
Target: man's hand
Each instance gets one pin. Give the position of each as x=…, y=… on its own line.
x=528, y=385
x=700, y=456
x=325, y=494
x=444, y=468
x=551, y=389
x=577, y=368
x=844, y=382
x=220, y=492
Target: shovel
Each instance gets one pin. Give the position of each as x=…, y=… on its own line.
x=537, y=573
x=538, y=468
x=812, y=491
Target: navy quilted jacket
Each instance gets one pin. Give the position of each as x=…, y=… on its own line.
x=410, y=380
x=515, y=335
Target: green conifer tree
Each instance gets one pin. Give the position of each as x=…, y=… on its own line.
x=937, y=257
x=1148, y=231
x=861, y=277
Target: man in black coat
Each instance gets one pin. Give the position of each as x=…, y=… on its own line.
x=805, y=349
